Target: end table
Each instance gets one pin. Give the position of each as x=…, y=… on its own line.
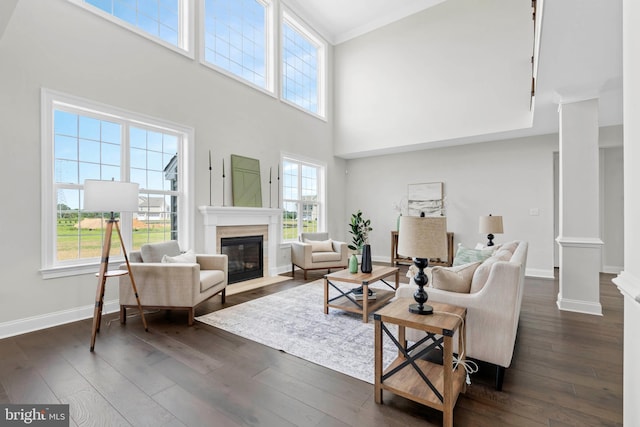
x=409, y=376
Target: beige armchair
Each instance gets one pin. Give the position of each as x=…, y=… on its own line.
x=315, y=251
x=173, y=284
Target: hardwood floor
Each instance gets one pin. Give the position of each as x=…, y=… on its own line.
x=566, y=371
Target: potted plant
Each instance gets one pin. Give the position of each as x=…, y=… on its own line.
x=359, y=229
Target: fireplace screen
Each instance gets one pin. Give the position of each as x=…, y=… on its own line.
x=245, y=257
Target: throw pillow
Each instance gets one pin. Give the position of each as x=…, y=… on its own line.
x=153, y=252
x=188, y=257
x=320, y=245
x=466, y=255
x=456, y=279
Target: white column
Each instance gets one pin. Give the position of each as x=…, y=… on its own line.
x=629, y=280
x=579, y=239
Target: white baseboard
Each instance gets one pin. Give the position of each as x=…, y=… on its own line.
x=612, y=269
x=36, y=323
x=577, y=306
x=539, y=273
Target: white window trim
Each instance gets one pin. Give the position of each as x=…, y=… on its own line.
x=270, y=54
x=187, y=24
x=322, y=192
x=290, y=18
x=51, y=100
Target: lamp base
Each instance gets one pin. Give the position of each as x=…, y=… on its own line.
x=415, y=308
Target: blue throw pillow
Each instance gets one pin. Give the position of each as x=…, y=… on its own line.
x=466, y=255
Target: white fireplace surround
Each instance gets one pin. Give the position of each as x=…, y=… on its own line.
x=223, y=216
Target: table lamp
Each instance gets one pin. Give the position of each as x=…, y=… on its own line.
x=490, y=225
x=422, y=238
x=110, y=196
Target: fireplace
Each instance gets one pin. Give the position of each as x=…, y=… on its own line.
x=233, y=221
x=245, y=255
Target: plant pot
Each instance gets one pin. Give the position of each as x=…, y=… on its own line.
x=366, y=266
x=353, y=264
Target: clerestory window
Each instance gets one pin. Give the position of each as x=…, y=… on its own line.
x=238, y=39
x=164, y=21
x=303, y=66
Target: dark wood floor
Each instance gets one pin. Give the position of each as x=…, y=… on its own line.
x=567, y=371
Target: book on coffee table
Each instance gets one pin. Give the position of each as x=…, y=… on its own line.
x=358, y=294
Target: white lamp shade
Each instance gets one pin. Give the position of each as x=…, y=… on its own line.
x=110, y=196
x=490, y=224
x=423, y=237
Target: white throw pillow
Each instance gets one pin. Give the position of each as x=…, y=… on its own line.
x=454, y=279
x=320, y=245
x=186, y=258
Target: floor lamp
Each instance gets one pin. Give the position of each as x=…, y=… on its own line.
x=110, y=196
x=422, y=238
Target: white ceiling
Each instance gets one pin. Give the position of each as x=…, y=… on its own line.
x=580, y=50
x=341, y=20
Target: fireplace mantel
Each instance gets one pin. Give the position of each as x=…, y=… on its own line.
x=226, y=216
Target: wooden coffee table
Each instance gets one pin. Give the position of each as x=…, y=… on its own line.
x=409, y=375
x=347, y=301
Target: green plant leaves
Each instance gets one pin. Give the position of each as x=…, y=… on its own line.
x=359, y=228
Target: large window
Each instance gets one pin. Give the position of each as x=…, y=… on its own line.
x=303, y=197
x=83, y=141
x=165, y=21
x=303, y=57
x=237, y=39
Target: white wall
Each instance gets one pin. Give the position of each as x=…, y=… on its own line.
x=57, y=45
x=507, y=178
x=629, y=280
x=444, y=73
x=612, y=209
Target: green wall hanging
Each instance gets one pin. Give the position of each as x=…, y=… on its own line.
x=245, y=180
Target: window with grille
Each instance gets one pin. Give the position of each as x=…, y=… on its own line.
x=83, y=142
x=238, y=39
x=165, y=21
x=303, y=58
x=303, y=197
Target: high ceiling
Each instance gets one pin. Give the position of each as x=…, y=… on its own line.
x=341, y=20
x=580, y=49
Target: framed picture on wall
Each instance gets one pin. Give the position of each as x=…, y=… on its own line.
x=425, y=197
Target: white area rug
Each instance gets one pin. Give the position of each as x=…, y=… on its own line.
x=293, y=321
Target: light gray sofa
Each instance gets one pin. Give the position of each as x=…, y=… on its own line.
x=174, y=285
x=493, y=306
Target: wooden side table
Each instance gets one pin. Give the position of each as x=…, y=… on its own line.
x=347, y=301
x=437, y=386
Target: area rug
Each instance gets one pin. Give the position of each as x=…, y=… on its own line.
x=294, y=321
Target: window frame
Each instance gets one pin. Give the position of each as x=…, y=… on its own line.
x=270, y=54
x=290, y=18
x=322, y=193
x=186, y=32
x=52, y=101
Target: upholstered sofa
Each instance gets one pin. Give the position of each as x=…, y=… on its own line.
x=166, y=278
x=493, y=302
x=315, y=251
